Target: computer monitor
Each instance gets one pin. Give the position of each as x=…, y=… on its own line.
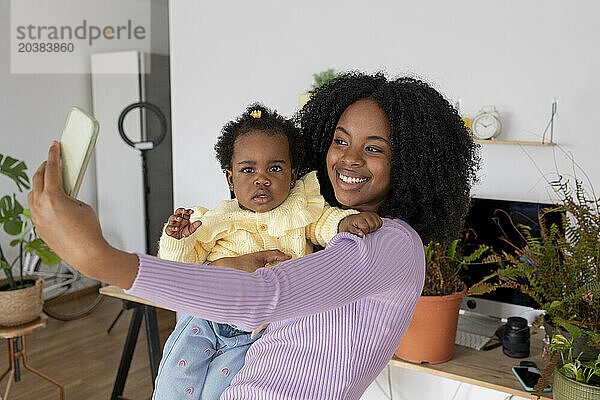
x=486, y=223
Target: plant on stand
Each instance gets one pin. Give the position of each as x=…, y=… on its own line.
x=432, y=331
x=20, y=297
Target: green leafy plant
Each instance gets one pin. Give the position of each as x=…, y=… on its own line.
x=322, y=77
x=560, y=270
x=587, y=372
x=16, y=221
x=445, y=261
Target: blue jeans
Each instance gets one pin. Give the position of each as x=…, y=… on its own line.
x=200, y=359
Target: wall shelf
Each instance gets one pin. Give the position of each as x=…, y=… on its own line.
x=515, y=142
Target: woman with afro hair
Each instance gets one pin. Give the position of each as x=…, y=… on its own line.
x=336, y=316
x=433, y=159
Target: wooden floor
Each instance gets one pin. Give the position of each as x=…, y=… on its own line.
x=84, y=358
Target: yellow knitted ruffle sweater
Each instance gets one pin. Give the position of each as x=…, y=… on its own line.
x=302, y=220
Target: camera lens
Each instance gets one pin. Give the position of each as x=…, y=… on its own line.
x=515, y=337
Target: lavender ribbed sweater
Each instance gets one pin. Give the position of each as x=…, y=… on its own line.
x=336, y=316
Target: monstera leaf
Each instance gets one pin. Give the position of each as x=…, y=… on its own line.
x=10, y=215
x=15, y=170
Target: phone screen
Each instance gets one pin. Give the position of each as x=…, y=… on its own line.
x=528, y=376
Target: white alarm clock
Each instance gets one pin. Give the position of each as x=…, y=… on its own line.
x=486, y=124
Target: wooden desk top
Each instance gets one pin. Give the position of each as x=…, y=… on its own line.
x=490, y=369
x=117, y=292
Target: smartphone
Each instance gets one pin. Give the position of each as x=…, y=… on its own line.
x=76, y=146
x=529, y=376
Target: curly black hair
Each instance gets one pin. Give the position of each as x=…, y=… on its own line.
x=259, y=118
x=434, y=158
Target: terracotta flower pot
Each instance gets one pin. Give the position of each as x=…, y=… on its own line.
x=22, y=305
x=430, y=336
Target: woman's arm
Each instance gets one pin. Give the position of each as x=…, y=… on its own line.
x=351, y=268
x=71, y=229
x=389, y=261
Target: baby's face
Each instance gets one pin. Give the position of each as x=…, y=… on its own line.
x=261, y=176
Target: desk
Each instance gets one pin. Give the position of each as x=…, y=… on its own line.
x=490, y=369
x=141, y=309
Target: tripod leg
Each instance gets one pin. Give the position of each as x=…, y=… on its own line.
x=115, y=320
x=16, y=354
x=126, y=356
x=153, y=340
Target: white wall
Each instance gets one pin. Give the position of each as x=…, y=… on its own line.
x=517, y=56
x=33, y=108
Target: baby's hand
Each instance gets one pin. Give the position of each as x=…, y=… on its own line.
x=179, y=224
x=360, y=224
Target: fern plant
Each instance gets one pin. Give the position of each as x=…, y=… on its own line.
x=445, y=261
x=16, y=221
x=560, y=269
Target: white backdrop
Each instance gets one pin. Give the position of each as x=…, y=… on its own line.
x=518, y=56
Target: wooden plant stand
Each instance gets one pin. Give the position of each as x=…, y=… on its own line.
x=16, y=349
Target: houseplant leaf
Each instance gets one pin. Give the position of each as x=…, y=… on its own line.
x=4, y=265
x=569, y=370
x=10, y=214
x=41, y=249
x=15, y=170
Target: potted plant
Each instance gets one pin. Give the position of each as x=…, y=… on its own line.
x=574, y=379
x=560, y=270
x=20, y=297
x=432, y=331
x=320, y=78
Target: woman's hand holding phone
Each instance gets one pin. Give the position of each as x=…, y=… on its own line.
x=71, y=229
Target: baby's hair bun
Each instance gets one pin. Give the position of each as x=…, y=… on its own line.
x=256, y=111
x=257, y=117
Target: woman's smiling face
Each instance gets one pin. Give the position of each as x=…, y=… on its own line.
x=359, y=159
